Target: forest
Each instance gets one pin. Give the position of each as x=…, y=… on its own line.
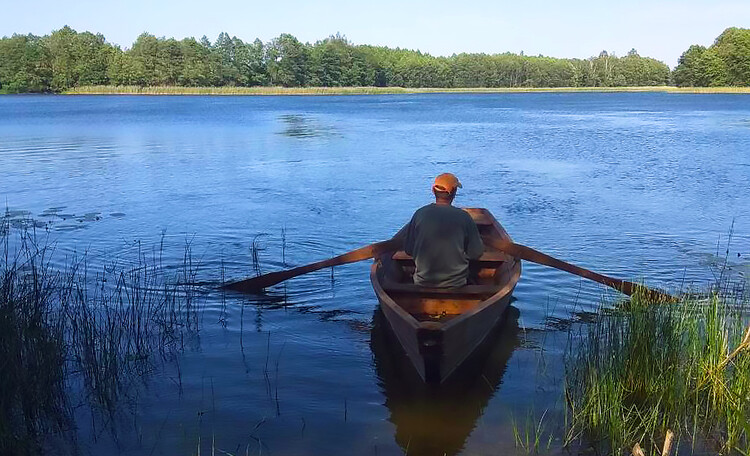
x=66, y=59
x=724, y=63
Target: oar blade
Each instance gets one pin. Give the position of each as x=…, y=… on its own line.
x=257, y=284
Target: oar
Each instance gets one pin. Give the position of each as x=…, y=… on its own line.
x=256, y=284
x=535, y=256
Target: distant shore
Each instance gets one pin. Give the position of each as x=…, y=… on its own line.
x=263, y=90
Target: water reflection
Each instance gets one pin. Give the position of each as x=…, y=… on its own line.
x=438, y=419
x=302, y=126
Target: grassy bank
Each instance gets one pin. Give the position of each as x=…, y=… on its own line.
x=646, y=370
x=177, y=90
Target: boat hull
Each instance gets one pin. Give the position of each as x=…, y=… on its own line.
x=437, y=349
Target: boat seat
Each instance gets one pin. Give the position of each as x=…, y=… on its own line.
x=489, y=256
x=410, y=288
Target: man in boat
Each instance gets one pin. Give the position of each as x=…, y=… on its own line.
x=442, y=238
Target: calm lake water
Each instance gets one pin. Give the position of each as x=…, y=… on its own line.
x=640, y=186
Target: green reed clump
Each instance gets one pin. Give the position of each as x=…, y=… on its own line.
x=32, y=352
x=274, y=90
x=648, y=367
x=531, y=436
x=120, y=318
x=71, y=333
x=262, y=90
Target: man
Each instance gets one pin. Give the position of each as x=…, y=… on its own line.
x=442, y=238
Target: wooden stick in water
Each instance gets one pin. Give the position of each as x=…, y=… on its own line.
x=668, y=440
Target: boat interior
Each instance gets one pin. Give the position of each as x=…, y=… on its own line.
x=489, y=274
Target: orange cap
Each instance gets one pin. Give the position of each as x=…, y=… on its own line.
x=446, y=182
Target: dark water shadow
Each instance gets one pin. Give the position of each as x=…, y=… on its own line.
x=438, y=419
x=302, y=126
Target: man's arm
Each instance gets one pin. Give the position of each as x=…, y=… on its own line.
x=474, y=244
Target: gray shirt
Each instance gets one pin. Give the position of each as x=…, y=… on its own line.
x=442, y=239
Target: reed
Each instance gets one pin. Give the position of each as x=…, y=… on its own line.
x=531, y=436
x=32, y=350
x=68, y=333
x=263, y=90
x=647, y=369
x=255, y=249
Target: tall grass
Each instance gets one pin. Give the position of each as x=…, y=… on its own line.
x=648, y=368
x=531, y=436
x=124, y=317
x=32, y=352
x=65, y=332
x=178, y=90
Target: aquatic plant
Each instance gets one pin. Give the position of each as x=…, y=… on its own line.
x=32, y=350
x=531, y=436
x=69, y=333
x=646, y=369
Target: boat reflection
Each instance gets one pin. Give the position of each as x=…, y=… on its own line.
x=437, y=419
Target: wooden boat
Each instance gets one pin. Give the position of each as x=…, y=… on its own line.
x=439, y=328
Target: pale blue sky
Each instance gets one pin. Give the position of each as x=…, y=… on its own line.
x=573, y=28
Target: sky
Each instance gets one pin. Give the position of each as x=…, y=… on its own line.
x=572, y=28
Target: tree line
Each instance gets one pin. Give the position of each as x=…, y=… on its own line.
x=724, y=63
x=66, y=59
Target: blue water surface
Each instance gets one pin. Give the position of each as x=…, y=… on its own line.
x=644, y=186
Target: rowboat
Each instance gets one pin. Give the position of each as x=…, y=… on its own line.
x=439, y=328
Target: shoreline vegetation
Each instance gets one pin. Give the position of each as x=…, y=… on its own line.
x=651, y=375
x=67, y=61
x=74, y=343
x=280, y=90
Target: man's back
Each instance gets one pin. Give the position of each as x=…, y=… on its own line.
x=442, y=239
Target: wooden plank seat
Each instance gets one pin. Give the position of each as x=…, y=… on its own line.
x=467, y=290
x=489, y=256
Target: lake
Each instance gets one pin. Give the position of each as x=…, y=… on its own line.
x=645, y=186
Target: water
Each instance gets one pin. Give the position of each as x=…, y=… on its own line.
x=645, y=186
